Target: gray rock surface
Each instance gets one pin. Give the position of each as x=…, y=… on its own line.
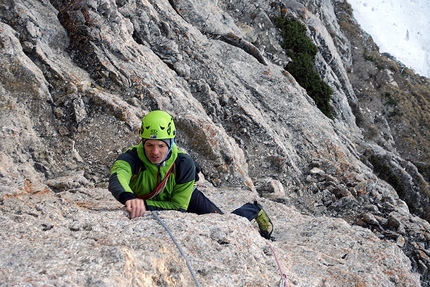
x=83, y=237
x=76, y=78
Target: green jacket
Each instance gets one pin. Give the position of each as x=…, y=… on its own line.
x=134, y=175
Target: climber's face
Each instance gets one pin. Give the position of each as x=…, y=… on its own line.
x=156, y=150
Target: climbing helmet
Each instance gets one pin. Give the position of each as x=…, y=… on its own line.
x=157, y=125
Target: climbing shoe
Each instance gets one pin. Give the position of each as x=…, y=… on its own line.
x=264, y=223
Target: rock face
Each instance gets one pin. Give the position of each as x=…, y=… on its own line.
x=348, y=204
x=80, y=237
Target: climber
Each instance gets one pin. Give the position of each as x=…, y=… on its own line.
x=156, y=175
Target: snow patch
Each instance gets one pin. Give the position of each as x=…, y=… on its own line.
x=399, y=28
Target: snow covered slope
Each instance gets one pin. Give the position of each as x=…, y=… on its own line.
x=400, y=28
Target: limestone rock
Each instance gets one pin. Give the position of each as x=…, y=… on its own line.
x=347, y=198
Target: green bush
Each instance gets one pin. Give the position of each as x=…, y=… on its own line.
x=392, y=102
x=374, y=60
x=295, y=39
x=389, y=99
x=302, y=52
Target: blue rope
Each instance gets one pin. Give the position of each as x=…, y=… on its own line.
x=179, y=248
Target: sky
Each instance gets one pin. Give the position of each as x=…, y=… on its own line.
x=400, y=28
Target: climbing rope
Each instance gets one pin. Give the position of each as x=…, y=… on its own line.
x=284, y=282
x=179, y=248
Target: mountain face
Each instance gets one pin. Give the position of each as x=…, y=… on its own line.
x=349, y=196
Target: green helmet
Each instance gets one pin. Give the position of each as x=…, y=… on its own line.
x=157, y=125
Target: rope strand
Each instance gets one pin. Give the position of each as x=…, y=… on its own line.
x=179, y=248
x=284, y=281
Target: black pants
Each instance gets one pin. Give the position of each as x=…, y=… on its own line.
x=200, y=204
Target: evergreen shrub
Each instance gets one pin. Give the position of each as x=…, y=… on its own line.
x=302, y=52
